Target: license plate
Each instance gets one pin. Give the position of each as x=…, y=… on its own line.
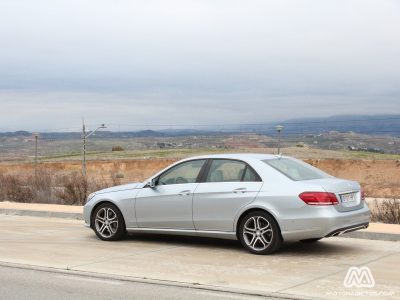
x=350, y=197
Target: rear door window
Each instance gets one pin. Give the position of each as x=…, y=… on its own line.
x=250, y=175
x=226, y=170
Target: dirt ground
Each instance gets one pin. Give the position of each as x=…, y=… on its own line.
x=380, y=178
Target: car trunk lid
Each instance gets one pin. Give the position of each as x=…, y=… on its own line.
x=347, y=192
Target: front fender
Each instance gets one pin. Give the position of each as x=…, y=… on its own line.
x=123, y=200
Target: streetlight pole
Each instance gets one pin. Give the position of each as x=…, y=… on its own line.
x=279, y=128
x=83, y=148
x=84, y=137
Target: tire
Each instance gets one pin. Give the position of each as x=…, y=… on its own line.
x=310, y=240
x=259, y=233
x=108, y=222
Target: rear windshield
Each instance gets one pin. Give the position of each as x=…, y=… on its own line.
x=296, y=170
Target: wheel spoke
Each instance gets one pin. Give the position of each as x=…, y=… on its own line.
x=262, y=242
x=101, y=214
x=253, y=242
x=100, y=218
x=258, y=223
x=249, y=229
x=265, y=227
x=264, y=239
x=246, y=231
x=112, y=229
x=249, y=221
x=100, y=221
x=266, y=231
x=102, y=228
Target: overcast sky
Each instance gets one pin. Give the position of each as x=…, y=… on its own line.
x=195, y=62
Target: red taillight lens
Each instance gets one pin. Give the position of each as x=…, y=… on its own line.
x=319, y=198
x=362, y=194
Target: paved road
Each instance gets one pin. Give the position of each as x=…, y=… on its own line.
x=298, y=270
x=21, y=284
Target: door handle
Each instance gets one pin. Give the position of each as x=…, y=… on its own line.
x=240, y=190
x=185, y=193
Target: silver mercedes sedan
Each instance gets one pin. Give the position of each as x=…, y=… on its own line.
x=259, y=199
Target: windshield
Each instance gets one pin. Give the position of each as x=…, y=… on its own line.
x=296, y=170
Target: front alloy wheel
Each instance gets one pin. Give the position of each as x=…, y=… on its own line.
x=259, y=233
x=108, y=222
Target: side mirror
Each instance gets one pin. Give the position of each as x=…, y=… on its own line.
x=152, y=183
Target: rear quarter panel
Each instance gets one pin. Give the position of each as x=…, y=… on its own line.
x=279, y=197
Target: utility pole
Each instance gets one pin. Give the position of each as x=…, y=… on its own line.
x=36, y=152
x=279, y=128
x=84, y=137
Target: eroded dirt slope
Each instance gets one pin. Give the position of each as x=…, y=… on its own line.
x=380, y=178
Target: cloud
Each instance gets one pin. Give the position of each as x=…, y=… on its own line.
x=156, y=61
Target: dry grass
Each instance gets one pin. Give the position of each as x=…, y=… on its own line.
x=44, y=187
x=14, y=188
x=387, y=211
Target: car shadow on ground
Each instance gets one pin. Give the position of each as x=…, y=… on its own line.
x=189, y=241
x=324, y=247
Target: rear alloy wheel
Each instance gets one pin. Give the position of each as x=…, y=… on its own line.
x=259, y=233
x=108, y=222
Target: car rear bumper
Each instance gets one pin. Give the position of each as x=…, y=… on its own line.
x=324, y=222
x=347, y=229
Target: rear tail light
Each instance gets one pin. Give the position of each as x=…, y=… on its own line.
x=362, y=194
x=319, y=198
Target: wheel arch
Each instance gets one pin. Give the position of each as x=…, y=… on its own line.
x=103, y=202
x=252, y=209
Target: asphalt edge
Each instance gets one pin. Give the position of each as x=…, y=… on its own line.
x=379, y=236
x=39, y=213
x=188, y=285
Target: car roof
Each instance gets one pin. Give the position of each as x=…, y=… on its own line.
x=241, y=156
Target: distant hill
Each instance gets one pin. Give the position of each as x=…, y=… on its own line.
x=15, y=133
x=371, y=124
x=363, y=124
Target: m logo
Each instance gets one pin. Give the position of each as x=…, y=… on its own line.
x=359, y=277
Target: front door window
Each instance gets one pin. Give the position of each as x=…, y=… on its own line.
x=186, y=172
